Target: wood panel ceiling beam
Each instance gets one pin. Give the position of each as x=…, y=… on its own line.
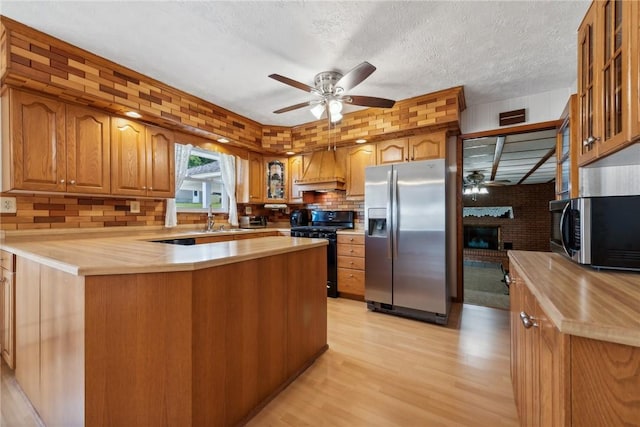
x=497, y=154
x=542, y=161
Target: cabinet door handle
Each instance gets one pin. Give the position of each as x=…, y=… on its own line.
x=528, y=321
x=144, y=187
x=590, y=141
x=62, y=181
x=72, y=182
x=2, y=280
x=150, y=188
x=406, y=159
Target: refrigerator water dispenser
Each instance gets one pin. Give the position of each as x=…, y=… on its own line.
x=377, y=222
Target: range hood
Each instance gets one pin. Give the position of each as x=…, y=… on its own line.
x=324, y=173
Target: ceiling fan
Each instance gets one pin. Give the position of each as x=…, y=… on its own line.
x=476, y=178
x=330, y=89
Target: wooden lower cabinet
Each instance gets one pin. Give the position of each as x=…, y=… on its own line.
x=208, y=347
x=351, y=266
x=566, y=380
x=7, y=302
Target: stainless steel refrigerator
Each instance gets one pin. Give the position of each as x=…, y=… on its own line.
x=405, y=240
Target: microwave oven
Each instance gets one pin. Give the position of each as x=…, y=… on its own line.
x=603, y=232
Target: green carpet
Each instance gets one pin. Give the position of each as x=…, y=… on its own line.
x=483, y=286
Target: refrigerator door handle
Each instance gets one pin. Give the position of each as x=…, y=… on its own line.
x=388, y=219
x=396, y=220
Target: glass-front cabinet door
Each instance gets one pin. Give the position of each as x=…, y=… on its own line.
x=276, y=180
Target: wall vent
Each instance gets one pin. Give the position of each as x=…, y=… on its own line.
x=512, y=117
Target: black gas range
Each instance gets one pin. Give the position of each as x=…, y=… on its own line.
x=324, y=225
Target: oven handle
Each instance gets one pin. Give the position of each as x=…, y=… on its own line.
x=562, y=224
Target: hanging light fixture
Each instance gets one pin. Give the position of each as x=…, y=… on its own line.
x=318, y=110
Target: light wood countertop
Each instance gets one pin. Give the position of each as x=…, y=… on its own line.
x=136, y=253
x=357, y=231
x=581, y=301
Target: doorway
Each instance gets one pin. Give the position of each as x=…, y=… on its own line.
x=497, y=172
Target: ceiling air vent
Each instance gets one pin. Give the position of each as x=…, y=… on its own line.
x=512, y=117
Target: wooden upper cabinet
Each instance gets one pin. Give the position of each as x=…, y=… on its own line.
x=393, y=151
x=358, y=158
x=37, y=129
x=567, y=152
x=634, y=105
x=256, y=178
x=427, y=147
x=296, y=171
x=128, y=158
x=160, y=163
x=613, y=38
x=420, y=147
x=586, y=87
x=88, y=146
x=608, y=78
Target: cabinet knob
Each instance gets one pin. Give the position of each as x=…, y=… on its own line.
x=2, y=280
x=590, y=141
x=351, y=239
x=406, y=159
x=150, y=188
x=62, y=181
x=528, y=321
x=72, y=182
x=351, y=250
x=144, y=187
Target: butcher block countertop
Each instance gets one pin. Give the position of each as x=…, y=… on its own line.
x=602, y=305
x=134, y=252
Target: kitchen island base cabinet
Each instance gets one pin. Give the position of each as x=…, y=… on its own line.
x=207, y=347
x=561, y=379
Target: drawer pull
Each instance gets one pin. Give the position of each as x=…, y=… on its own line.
x=2, y=280
x=528, y=321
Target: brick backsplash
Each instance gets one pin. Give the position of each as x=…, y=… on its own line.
x=530, y=227
x=37, y=211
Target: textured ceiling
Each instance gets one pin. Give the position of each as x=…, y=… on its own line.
x=224, y=51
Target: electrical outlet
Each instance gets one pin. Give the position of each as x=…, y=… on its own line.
x=134, y=207
x=8, y=205
x=247, y=210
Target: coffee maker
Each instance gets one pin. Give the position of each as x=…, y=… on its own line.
x=299, y=217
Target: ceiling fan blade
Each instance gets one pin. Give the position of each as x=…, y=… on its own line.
x=296, y=106
x=294, y=83
x=369, y=101
x=355, y=76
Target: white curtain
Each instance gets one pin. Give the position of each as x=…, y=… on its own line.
x=182, y=164
x=228, y=170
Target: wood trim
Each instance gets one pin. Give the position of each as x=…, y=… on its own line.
x=459, y=225
x=542, y=161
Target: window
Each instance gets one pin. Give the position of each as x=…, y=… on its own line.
x=203, y=185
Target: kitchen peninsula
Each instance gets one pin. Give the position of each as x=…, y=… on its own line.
x=121, y=331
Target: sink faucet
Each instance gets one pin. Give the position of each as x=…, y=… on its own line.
x=210, y=222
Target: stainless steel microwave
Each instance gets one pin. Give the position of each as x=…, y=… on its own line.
x=603, y=232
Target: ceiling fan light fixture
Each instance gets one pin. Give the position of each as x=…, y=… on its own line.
x=335, y=107
x=317, y=111
x=336, y=117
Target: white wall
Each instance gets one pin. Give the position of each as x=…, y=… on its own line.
x=541, y=107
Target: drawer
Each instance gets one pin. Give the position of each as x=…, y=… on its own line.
x=354, y=239
x=351, y=281
x=350, y=250
x=7, y=261
x=356, y=263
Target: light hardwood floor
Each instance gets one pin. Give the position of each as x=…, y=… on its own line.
x=382, y=370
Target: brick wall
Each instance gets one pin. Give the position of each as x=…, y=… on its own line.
x=38, y=211
x=530, y=227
